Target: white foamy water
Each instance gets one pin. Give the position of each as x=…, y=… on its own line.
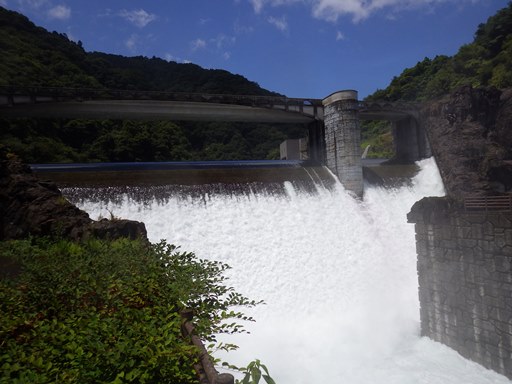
x=338, y=277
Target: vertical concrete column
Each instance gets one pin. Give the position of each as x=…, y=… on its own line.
x=405, y=140
x=410, y=141
x=343, y=139
x=316, y=145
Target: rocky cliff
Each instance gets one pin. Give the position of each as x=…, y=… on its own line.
x=470, y=132
x=29, y=206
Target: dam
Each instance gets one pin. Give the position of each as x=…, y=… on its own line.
x=338, y=275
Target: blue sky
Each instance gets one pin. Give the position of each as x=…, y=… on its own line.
x=300, y=48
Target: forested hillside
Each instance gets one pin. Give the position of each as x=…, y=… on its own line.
x=32, y=56
x=487, y=61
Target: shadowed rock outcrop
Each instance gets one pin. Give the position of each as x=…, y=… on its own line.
x=29, y=206
x=471, y=137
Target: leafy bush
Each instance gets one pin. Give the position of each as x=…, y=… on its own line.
x=253, y=373
x=108, y=311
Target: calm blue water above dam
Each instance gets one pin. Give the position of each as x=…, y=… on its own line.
x=338, y=277
x=165, y=165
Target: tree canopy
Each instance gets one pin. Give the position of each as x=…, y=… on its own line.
x=487, y=61
x=32, y=55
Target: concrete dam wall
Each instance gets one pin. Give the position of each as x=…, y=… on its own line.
x=465, y=281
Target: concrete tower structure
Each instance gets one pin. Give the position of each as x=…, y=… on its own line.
x=343, y=139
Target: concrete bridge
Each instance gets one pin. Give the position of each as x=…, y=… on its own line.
x=50, y=102
x=333, y=122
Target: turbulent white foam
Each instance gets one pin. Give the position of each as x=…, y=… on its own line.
x=338, y=276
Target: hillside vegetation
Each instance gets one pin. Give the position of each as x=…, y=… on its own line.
x=487, y=61
x=33, y=56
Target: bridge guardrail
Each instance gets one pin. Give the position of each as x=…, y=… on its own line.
x=101, y=93
x=70, y=93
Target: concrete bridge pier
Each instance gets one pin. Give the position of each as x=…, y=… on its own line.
x=410, y=141
x=343, y=139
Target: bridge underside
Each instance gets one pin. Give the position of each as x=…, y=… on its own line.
x=153, y=110
x=409, y=138
x=410, y=141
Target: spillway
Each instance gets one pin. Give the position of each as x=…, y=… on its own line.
x=338, y=276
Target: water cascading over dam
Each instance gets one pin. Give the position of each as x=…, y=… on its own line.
x=338, y=277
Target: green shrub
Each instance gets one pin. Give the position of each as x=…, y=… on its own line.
x=108, y=312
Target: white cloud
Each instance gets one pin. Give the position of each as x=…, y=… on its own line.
x=198, y=44
x=242, y=29
x=32, y=4
x=331, y=10
x=339, y=36
x=139, y=17
x=59, y=12
x=257, y=5
x=223, y=40
x=170, y=57
x=226, y=55
x=131, y=42
x=280, y=23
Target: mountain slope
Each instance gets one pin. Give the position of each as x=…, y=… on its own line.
x=33, y=56
x=487, y=61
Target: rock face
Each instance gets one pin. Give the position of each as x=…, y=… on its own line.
x=471, y=137
x=29, y=206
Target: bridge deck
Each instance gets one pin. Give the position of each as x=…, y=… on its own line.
x=49, y=102
x=154, y=110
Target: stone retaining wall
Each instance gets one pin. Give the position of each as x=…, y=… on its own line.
x=465, y=280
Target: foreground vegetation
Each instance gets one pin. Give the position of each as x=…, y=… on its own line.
x=108, y=311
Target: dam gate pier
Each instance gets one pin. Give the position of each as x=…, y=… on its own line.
x=343, y=139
